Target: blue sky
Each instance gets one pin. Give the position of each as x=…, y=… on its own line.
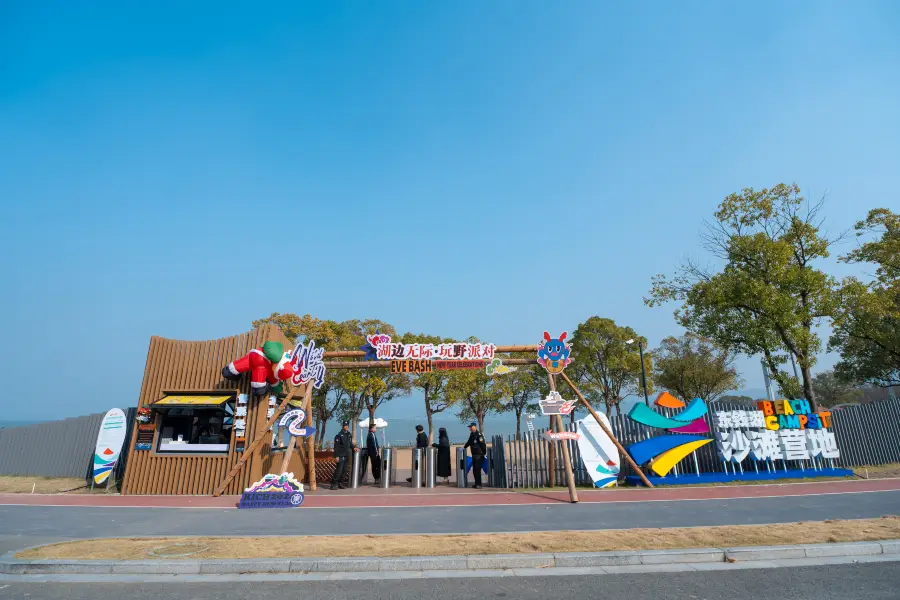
x=491, y=169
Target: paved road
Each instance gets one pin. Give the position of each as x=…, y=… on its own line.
x=874, y=581
x=23, y=526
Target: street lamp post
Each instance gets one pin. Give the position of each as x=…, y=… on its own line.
x=643, y=370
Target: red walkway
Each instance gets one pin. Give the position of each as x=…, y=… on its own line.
x=451, y=496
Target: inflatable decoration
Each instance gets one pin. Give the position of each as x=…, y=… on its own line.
x=268, y=366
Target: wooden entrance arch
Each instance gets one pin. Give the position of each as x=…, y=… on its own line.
x=330, y=363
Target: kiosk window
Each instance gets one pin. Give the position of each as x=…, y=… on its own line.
x=194, y=429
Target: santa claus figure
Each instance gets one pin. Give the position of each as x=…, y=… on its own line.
x=269, y=366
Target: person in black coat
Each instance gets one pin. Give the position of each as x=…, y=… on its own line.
x=478, y=447
x=443, y=455
x=343, y=450
x=372, y=452
x=421, y=443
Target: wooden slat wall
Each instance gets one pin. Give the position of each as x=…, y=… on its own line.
x=178, y=365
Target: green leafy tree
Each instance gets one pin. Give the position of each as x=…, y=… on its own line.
x=867, y=328
x=522, y=389
x=769, y=297
x=695, y=367
x=380, y=387
x=433, y=385
x=831, y=391
x=477, y=395
x=743, y=400
x=607, y=362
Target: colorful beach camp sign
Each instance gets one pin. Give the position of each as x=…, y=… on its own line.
x=109, y=444
x=598, y=453
x=743, y=433
x=553, y=353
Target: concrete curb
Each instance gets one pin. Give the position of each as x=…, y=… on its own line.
x=12, y=566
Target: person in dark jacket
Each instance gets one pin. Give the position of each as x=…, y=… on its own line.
x=343, y=450
x=443, y=455
x=421, y=443
x=372, y=451
x=478, y=448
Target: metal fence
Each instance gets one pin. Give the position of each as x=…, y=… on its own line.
x=868, y=434
x=58, y=448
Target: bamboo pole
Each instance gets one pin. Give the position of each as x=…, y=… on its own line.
x=607, y=431
x=567, y=463
x=386, y=364
x=248, y=450
x=360, y=353
x=310, y=441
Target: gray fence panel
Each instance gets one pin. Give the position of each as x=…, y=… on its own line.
x=56, y=449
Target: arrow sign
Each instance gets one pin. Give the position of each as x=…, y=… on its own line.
x=562, y=435
x=301, y=431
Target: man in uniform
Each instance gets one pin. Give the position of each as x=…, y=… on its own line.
x=343, y=445
x=478, y=447
x=421, y=444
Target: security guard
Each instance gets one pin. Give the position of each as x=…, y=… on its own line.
x=478, y=448
x=343, y=444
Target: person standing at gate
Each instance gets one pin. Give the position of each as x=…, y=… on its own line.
x=443, y=455
x=343, y=450
x=478, y=448
x=372, y=451
x=421, y=444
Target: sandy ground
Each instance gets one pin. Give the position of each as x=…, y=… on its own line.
x=14, y=484
x=887, y=527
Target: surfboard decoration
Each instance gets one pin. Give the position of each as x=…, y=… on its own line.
x=109, y=444
x=598, y=453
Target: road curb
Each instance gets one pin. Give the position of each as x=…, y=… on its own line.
x=12, y=566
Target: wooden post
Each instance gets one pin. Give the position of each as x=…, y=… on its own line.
x=567, y=463
x=606, y=430
x=307, y=401
x=254, y=444
x=287, y=454
x=551, y=459
x=311, y=439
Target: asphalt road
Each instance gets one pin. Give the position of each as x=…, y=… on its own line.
x=23, y=526
x=874, y=581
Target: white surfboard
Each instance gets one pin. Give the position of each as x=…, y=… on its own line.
x=598, y=453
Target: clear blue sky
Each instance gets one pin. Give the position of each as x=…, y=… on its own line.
x=467, y=168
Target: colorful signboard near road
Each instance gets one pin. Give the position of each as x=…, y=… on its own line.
x=109, y=444
x=273, y=491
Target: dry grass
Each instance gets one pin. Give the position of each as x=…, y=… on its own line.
x=879, y=471
x=10, y=484
x=437, y=545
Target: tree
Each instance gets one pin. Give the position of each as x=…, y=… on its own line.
x=477, y=394
x=379, y=387
x=831, y=391
x=522, y=388
x=609, y=364
x=867, y=328
x=768, y=298
x=433, y=385
x=742, y=400
x=695, y=367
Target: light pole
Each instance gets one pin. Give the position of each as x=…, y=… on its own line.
x=643, y=370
